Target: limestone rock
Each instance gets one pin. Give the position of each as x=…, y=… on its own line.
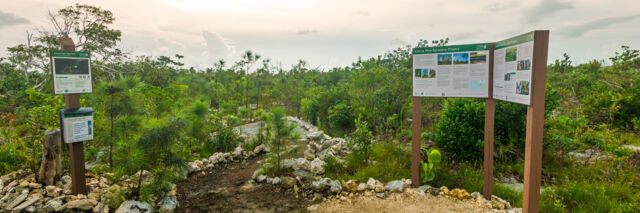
x=362, y=187
x=288, y=182
x=350, y=186
x=444, y=190
x=53, y=191
x=371, y=183
x=238, y=152
x=35, y=185
x=261, y=178
x=259, y=149
x=101, y=208
x=308, y=154
x=460, y=194
x=335, y=187
x=16, y=201
x=302, y=164
x=55, y=205
x=275, y=181
x=499, y=203
x=395, y=186
x=315, y=135
x=131, y=206
x=169, y=204
x=82, y=204
x=317, y=166
x=26, y=204
x=321, y=185
x=379, y=187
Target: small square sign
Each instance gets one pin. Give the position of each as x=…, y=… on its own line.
x=71, y=72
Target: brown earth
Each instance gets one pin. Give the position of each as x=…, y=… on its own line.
x=226, y=188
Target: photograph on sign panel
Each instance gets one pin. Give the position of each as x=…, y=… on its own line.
x=71, y=66
x=478, y=58
x=425, y=73
x=511, y=54
x=524, y=64
x=461, y=58
x=509, y=76
x=444, y=59
x=522, y=88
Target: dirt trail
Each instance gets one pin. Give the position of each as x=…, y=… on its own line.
x=401, y=202
x=226, y=188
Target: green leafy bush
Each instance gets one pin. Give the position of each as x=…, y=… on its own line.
x=362, y=140
x=460, y=129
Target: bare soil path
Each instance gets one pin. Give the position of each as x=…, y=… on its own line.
x=226, y=188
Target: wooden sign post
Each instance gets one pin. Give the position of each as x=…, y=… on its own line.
x=535, y=124
x=416, y=130
x=76, y=150
x=489, y=117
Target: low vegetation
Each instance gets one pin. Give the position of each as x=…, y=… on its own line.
x=155, y=114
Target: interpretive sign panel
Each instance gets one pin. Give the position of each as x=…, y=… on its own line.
x=512, y=69
x=451, y=71
x=77, y=125
x=71, y=72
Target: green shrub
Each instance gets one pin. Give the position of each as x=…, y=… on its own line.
x=460, y=129
x=341, y=118
x=362, y=140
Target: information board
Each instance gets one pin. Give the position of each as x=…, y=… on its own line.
x=512, y=69
x=451, y=71
x=77, y=125
x=71, y=72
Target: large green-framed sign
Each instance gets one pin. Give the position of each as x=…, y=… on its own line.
x=512, y=69
x=451, y=71
x=71, y=72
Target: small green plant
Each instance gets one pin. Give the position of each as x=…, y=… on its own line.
x=283, y=132
x=428, y=168
x=362, y=139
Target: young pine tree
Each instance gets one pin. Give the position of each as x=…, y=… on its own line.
x=158, y=150
x=283, y=132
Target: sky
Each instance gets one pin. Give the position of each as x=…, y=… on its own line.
x=330, y=33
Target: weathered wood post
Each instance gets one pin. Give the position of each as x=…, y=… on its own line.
x=51, y=165
x=76, y=150
x=416, y=124
x=535, y=124
x=489, y=119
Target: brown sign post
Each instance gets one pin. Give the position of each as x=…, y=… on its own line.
x=535, y=124
x=76, y=150
x=489, y=118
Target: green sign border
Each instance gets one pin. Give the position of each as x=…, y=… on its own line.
x=452, y=48
x=527, y=37
x=69, y=54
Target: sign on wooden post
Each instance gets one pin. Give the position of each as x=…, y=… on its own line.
x=71, y=74
x=446, y=71
x=515, y=71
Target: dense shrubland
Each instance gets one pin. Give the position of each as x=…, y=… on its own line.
x=156, y=108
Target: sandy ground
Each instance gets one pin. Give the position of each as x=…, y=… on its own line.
x=404, y=202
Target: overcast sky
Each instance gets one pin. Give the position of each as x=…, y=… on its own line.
x=328, y=33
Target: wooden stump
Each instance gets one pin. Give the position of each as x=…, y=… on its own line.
x=51, y=166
